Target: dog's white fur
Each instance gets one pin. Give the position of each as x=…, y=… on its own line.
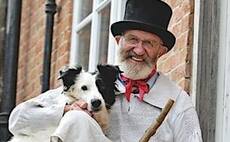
x=74, y=93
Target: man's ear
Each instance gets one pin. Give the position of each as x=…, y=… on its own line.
x=163, y=50
x=117, y=38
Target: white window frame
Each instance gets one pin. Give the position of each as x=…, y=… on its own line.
x=195, y=50
x=116, y=13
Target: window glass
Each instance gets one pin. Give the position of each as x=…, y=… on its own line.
x=85, y=8
x=104, y=18
x=100, y=1
x=84, y=46
x=92, y=43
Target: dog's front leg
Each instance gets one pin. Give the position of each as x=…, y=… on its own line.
x=102, y=118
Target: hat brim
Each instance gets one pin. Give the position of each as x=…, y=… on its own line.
x=120, y=27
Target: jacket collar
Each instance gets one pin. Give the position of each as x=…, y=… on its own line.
x=162, y=89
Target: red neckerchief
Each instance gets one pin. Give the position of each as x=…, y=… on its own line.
x=141, y=84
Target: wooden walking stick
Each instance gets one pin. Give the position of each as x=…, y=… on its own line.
x=154, y=126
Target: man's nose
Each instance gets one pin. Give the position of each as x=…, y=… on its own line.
x=139, y=49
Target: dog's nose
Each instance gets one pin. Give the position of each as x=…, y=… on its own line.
x=96, y=103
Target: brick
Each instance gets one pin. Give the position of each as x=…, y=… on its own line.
x=188, y=6
x=63, y=49
x=174, y=3
x=185, y=84
x=187, y=23
x=177, y=15
x=181, y=42
x=20, y=97
x=178, y=73
x=188, y=70
x=176, y=29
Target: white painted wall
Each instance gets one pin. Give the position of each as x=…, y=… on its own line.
x=223, y=84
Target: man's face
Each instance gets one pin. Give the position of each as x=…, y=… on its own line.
x=138, y=53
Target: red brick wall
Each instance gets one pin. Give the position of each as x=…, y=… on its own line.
x=32, y=45
x=177, y=63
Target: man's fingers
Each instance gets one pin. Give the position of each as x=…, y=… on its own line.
x=82, y=104
x=78, y=105
x=75, y=107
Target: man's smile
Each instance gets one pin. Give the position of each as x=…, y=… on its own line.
x=137, y=59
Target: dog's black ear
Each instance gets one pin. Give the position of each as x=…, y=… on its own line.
x=108, y=72
x=107, y=92
x=107, y=75
x=68, y=76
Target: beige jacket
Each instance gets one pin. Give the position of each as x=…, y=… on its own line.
x=128, y=120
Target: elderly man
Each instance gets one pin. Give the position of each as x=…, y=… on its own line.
x=142, y=91
x=143, y=38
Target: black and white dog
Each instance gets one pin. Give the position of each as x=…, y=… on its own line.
x=97, y=89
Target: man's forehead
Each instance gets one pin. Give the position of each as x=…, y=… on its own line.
x=143, y=34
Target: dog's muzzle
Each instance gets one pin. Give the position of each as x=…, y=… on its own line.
x=96, y=104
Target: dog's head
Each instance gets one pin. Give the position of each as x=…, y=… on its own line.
x=97, y=88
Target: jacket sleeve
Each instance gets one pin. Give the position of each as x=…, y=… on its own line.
x=187, y=127
x=41, y=112
x=186, y=123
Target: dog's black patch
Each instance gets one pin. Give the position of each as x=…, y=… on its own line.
x=68, y=77
x=105, y=81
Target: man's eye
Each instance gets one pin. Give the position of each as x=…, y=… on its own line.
x=148, y=43
x=133, y=40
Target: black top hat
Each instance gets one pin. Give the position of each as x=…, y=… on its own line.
x=147, y=15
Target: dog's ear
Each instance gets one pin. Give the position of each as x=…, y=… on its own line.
x=107, y=92
x=105, y=82
x=68, y=76
x=109, y=72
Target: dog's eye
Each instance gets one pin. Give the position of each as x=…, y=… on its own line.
x=84, y=88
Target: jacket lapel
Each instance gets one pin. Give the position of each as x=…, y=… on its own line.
x=162, y=91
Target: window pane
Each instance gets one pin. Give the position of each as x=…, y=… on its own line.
x=85, y=8
x=104, y=34
x=84, y=46
x=100, y=1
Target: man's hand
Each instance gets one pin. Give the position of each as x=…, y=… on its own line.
x=77, y=105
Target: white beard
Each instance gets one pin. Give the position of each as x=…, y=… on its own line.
x=135, y=71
